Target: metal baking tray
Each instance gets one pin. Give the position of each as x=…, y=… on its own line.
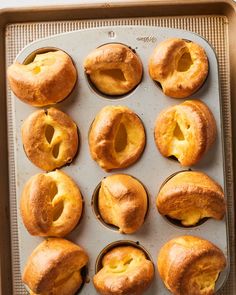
x=214, y=21
x=147, y=100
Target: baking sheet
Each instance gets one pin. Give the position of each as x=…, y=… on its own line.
x=147, y=101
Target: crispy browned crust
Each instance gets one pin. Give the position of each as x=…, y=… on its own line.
x=126, y=271
x=53, y=82
x=46, y=194
x=110, y=57
x=181, y=258
x=198, y=126
x=163, y=67
x=192, y=193
x=123, y=202
x=36, y=145
x=54, y=267
x=103, y=133
x=208, y=117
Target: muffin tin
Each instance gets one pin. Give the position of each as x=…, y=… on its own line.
x=147, y=100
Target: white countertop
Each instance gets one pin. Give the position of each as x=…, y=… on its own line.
x=32, y=3
x=21, y=3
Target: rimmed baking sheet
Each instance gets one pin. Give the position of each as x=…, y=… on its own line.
x=214, y=20
x=147, y=101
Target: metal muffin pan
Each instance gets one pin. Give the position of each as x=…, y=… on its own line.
x=146, y=100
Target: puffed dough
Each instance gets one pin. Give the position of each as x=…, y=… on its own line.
x=51, y=204
x=122, y=201
x=48, y=79
x=180, y=66
x=113, y=68
x=190, y=265
x=190, y=196
x=125, y=270
x=50, y=138
x=116, y=137
x=185, y=131
x=54, y=268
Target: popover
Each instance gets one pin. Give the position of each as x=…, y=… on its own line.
x=190, y=196
x=125, y=270
x=190, y=265
x=116, y=137
x=51, y=204
x=180, y=66
x=48, y=79
x=123, y=202
x=50, y=138
x=113, y=68
x=185, y=131
x=54, y=268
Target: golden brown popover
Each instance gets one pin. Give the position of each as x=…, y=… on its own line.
x=122, y=201
x=125, y=270
x=54, y=268
x=189, y=265
x=51, y=204
x=190, y=196
x=113, y=68
x=116, y=137
x=185, y=131
x=50, y=138
x=48, y=79
x=180, y=66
